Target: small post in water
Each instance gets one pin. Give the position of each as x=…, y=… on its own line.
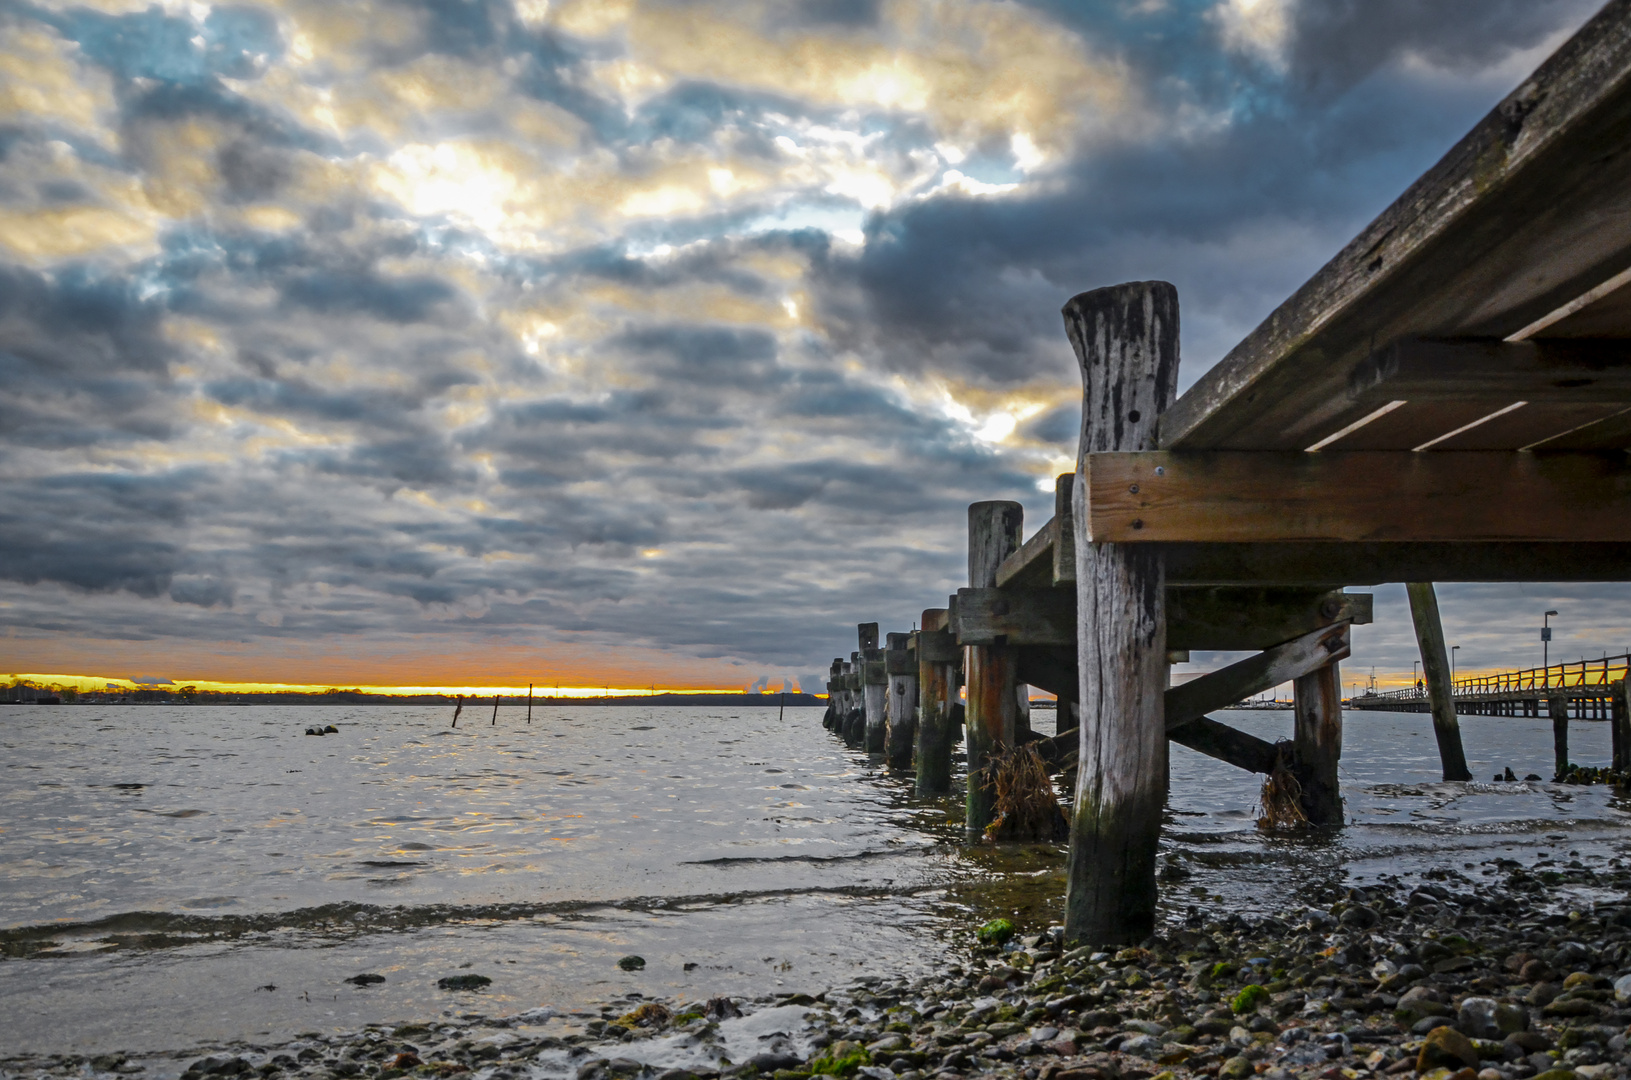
x=1435, y=668
x=495, y=710
x=1620, y=719
x=458, y=707
x=1558, y=707
x=529, y=703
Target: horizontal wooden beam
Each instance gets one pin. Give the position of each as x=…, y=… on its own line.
x=1237, y=682
x=1197, y=618
x=1222, y=618
x=1227, y=744
x=938, y=647
x=1387, y=496
x=1314, y=563
x=1049, y=556
x=1491, y=370
x=1016, y=617
x=1032, y=565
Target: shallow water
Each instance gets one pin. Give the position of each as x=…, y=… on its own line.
x=172, y=877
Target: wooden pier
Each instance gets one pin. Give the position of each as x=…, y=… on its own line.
x=1449, y=399
x=1588, y=689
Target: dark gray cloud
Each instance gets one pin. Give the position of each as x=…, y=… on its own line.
x=477, y=329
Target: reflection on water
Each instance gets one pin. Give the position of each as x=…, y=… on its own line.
x=170, y=876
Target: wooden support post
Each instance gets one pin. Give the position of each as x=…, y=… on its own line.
x=902, y=703
x=495, y=711
x=1126, y=341
x=937, y=693
x=846, y=706
x=1317, y=742
x=874, y=687
x=855, y=726
x=1558, y=707
x=994, y=532
x=529, y=703
x=1435, y=668
x=829, y=719
x=1620, y=717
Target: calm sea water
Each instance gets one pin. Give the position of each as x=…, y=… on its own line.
x=174, y=877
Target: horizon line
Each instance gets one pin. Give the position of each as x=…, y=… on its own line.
x=131, y=684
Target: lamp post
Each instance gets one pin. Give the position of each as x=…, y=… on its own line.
x=1453, y=650
x=1545, y=645
x=1415, y=680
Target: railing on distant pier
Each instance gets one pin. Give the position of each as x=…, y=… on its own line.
x=1574, y=675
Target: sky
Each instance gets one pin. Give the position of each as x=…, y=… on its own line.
x=625, y=343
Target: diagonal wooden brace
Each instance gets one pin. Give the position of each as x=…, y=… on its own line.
x=1227, y=744
x=1237, y=682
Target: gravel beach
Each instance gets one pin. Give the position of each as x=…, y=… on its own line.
x=1496, y=972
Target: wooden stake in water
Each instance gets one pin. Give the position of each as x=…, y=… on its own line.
x=1435, y=668
x=781, y=712
x=1558, y=707
x=495, y=710
x=1126, y=341
x=529, y=703
x=458, y=707
x=1620, y=724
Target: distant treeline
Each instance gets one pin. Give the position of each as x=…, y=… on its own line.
x=190, y=696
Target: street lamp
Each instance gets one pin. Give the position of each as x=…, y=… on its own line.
x=1545, y=645
x=1415, y=680
x=1453, y=650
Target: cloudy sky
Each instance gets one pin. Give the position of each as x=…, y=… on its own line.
x=615, y=342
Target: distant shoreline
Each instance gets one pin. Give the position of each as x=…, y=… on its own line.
x=156, y=697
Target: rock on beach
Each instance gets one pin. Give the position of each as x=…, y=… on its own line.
x=1490, y=975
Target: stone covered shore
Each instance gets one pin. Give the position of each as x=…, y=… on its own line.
x=1501, y=972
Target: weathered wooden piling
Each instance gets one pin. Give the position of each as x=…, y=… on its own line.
x=854, y=699
x=937, y=655
x=1317, y=742
x=874, y=687
x=1620, y=717
x=1435, y=666
x=901, y=668
x=1558, y=707
x=835, y=690
x=995, y=530
x=495, y=710
x=1126, y=342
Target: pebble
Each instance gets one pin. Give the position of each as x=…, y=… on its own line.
x=1459, y=977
